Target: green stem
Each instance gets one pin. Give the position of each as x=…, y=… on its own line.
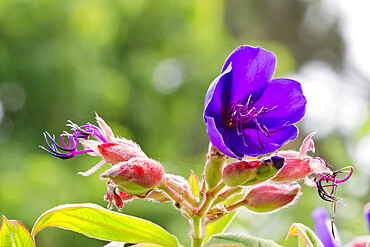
x=225, y=195
x=177, y=198
x=198, y=231
x=210, y=195
x=236, y=205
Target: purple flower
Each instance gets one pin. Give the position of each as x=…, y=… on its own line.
x=327, y=232
x=324, y=228
x=248, y=113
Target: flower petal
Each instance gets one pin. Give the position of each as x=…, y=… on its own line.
x=323, y=228
x=220, y=138
x=285, y=98
x=253, y=68
x=93, y=169
x=270, y=144
x=218, y=94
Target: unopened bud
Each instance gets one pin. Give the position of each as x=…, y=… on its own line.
x=252, y=172
x=270, y=197
x=213, y=167
x=239, y=172
x=136, y=176
x=120, y=151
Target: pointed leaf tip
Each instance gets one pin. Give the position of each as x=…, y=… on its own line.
x=14, y=233
x=193, y=184
x=306, y=237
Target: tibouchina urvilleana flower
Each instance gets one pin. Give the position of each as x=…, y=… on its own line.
x=246, y=111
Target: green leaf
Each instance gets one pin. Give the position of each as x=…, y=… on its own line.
x=100, y=223
x=306, y=237
x=14, y=233
x=193, y=184
x=237, y=240
x=146, y=245
x=219, y=226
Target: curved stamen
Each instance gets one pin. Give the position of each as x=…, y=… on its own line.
x=334, y=175
x=323, y=192
x=239, y=115
x=69, y=150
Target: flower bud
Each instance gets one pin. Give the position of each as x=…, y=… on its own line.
x=120, y=151
x=253, y=172
x=239, y=172
x=270, y=197
x=136, y=176
x=213, y=167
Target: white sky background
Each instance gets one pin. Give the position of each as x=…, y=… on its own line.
x=340, y=101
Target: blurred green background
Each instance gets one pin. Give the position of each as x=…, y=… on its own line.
x=145, y=66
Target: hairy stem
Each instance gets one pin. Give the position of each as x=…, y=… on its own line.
x=198, y=231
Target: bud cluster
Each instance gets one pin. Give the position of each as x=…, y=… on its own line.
x=261, y=185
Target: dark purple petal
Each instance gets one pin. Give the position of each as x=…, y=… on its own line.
x=253, y=68
x=252, y=138
x=285, y=98
x=323, y=228
x=220, y=138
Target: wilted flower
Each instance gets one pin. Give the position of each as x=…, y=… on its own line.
x=316, y=171
x=112, y=150
x=298, y=165
x=248, y=113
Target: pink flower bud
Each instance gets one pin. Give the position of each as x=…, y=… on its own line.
x=270, y=197
x=136, y=176
x=252, y=172
x=120, y=151
x=239, y=172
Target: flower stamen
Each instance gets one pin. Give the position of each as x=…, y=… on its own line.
x=67, y=151
x=239, y=115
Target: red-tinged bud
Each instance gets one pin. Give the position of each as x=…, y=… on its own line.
x=120, y=151
x=252, y=172
x=269, y=197
x=136, y=176
x=239, y=172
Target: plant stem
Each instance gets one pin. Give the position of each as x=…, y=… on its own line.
x=236, y=205
x=177, y=198
x=198, y=231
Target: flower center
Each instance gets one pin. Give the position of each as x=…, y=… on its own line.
x=240, y=115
